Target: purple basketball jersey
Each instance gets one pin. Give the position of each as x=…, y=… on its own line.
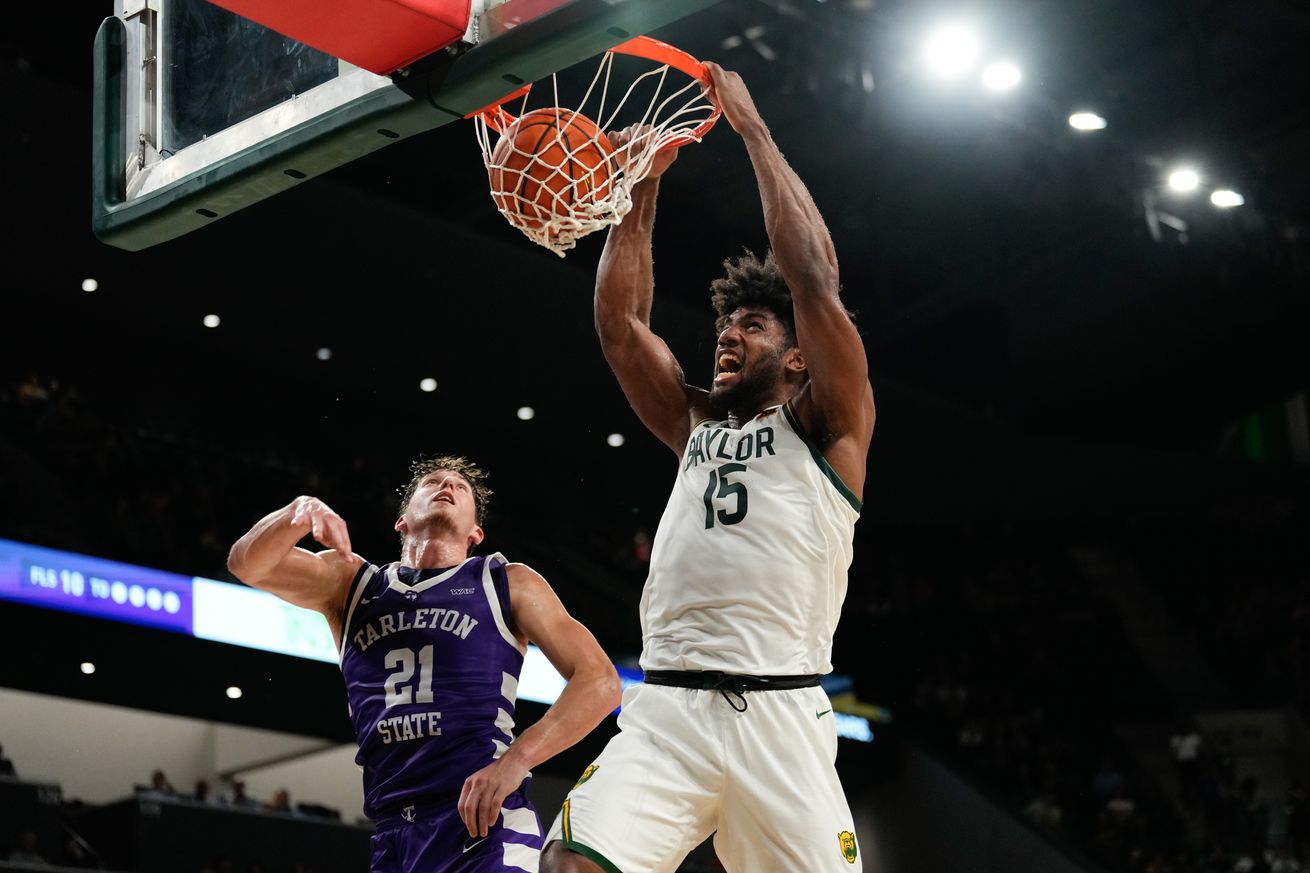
x=431, y=669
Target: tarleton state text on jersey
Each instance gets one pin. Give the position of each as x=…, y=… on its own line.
x=450, y=620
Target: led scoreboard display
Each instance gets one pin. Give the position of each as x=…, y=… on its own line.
x=202, y=608
x=95, y=587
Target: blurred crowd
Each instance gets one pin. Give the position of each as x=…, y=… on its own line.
x=1022, y=675
x=1239, y=581
x=178, y=499
x=233, y=797
x=71, y=850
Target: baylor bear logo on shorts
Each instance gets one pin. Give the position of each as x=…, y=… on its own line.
x=586, y=774
x=847, y=840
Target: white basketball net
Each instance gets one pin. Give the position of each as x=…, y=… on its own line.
x=572, y=200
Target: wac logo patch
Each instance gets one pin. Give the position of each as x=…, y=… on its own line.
x=847, y=841
x=586, y=774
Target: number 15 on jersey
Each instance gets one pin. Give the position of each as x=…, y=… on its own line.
x=720, y=490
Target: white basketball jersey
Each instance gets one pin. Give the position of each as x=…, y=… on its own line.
x=748, y=571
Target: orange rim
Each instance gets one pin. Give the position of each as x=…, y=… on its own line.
x=498, y=118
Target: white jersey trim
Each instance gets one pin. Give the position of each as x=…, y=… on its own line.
x=394, y=583
x=365, y=572
x=794, y=422
x=489, y=588
x=509, y=687
x=505, y=722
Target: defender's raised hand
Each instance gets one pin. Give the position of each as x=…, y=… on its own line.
x=315, y=517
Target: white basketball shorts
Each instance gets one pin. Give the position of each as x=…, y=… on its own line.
x=686, y=764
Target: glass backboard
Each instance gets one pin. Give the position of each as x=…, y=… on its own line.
x=199, y=112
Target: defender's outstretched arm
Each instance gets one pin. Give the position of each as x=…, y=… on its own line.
x=592, y=692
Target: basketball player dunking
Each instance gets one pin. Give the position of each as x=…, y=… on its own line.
x=730, y=732
x=431, y=647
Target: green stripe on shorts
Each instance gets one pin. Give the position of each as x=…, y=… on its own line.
x=584, y=851
x=587, y=852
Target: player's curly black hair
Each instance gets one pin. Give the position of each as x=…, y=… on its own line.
x=749, y=281
x=472, y=473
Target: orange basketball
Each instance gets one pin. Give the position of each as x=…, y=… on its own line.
x=550, y=163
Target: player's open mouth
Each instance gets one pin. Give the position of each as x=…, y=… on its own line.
x=729, y=368
x=444, y=497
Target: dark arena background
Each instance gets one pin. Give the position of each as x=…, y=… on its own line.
x=1077, y=632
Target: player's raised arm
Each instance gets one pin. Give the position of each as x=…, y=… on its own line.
x=839, y=406
x=591, y=693
x=649, y=374
x=267, y=557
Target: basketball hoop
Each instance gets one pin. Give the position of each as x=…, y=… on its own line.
x=554, y=173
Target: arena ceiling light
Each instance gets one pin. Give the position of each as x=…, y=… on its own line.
x=88, y=668
x=212, y=320
x=1086, y=121
x=1226, y=199
x=1001, y=76
x=324, y=354
x=89, y=285
x=1184, y=180
x=427, y=385
x=951, y=50
x=233, y=692
x=526, y=413
x=614, y=440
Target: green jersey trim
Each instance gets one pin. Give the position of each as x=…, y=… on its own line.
x=819, y=459
x=592, y=854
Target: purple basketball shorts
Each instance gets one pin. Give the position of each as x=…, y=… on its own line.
x=433, y=839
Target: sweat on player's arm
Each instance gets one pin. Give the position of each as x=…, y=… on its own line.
x=592, y=691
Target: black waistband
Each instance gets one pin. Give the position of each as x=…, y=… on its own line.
x=715, y=680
